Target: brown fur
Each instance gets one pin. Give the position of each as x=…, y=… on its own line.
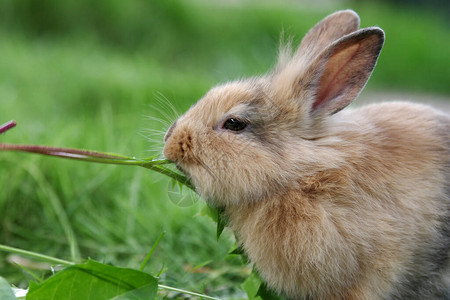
x=327, y=205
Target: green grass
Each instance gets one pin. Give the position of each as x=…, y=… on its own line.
x=91, y=76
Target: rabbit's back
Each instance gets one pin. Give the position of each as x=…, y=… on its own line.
x=376, y=227
x=414, y=143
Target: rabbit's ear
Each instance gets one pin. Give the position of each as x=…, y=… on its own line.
x=340, y=72
x=326, y=32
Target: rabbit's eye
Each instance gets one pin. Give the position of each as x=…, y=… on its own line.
x=234, y=124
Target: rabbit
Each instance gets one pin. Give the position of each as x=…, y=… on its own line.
x=326, y=203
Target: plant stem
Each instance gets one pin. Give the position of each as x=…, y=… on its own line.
x=95, y=156
x=178, y=177
x=101, y=157
x=7, y=126
x=169, y=288
x=36, y=255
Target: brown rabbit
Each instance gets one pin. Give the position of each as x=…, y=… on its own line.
x=326, y=204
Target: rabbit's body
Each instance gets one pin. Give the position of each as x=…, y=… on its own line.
x=374, y=225
x=326, y=204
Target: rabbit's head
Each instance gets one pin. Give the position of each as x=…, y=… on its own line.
x=250, y=139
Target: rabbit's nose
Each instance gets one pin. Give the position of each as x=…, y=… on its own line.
x=179, y=145
x=169, y=131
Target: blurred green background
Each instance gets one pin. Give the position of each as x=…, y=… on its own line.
x=103, y=74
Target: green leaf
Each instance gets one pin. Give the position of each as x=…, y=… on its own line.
x=179, y=196
x=217, y=215
x=267, y=294
x=237, y=251
x=221, y=222
x=251, y=286
x=93, y=280
x=210, y=211
x=240, y=251
x=146, y=292
x=6, y=293
x=256, y=289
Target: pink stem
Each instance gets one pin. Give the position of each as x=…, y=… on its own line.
x=8, y=125
x=56, y=151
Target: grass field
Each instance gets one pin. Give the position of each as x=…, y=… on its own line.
x=97, y=75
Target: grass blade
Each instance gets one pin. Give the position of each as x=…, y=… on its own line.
x=35, y=255
x=47, y=193
x=202, y=296
x=149, y=254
